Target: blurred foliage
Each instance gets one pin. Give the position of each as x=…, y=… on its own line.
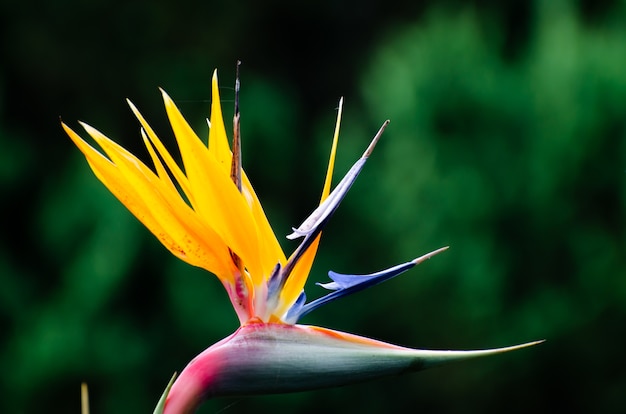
x=507, y=142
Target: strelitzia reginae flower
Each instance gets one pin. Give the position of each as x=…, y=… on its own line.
x=208, y=215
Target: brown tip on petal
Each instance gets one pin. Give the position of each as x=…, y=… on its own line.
x=429, y=255
x=372, y=145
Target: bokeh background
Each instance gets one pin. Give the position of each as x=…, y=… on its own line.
x=507, y=143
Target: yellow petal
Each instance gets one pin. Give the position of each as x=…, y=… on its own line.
x=164, y=213
x=156, y=161
x=179, y=176
x=301, y=270
x=216, y=197
x=333, y=152
x=218, y=140
x=270, y=250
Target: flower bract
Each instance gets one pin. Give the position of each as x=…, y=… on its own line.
x=207, y=214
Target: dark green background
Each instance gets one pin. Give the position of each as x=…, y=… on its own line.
x=507, y=142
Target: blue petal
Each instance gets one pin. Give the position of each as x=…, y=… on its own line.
x=273, y=287
x=343, y=284
x=273, y=284
x=294, y=312
x=342, y=281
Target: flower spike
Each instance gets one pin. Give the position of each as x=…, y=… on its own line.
x=207, y=213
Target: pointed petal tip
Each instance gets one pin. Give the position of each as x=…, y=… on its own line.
x=375, y=140
x=524, y=345
x=510, y=348
x=430, y=358
x=429, y=255
x=131, y=105
x=167, y=100
x=528, y=344
x=144, y=136
x=86, y=127
x=506, y=348
x=160, y=408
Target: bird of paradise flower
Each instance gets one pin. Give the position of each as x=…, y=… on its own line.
x=209, y=216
